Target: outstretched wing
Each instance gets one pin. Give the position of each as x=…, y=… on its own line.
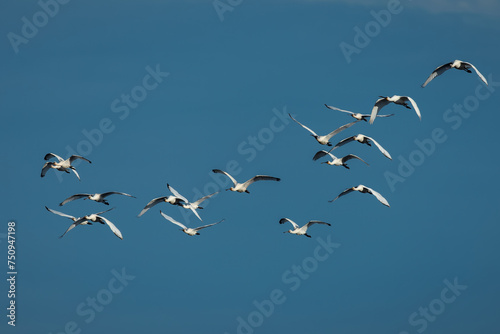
x=378, y=196
x=312, y=222
x=384, y=152
x=437, y=72
x=321, y=154
x=260, y=178
x=75, y=224
x=100, y=213
x=414, y=104
x=45, y=168
x=76, y=173
x=352, y=156
x=52, y=155
x=198, y=202
x=477, y=72
x=112, y=226
x=345, y=192
x=342, y=128
x=172, y=220
x=302, y=125
x=74, y=157
x=176, y=193
x=335, y=108
x=152, y=203
x=72, y=198
x=284, y=220
x=60, y=213
x=103, y=195
x=343, y=142
x=205, y=226
x=227, y=174
x=382, y=102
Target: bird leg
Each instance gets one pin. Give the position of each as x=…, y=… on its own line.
x=307, y=235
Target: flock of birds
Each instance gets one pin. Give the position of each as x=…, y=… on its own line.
x=177, y=199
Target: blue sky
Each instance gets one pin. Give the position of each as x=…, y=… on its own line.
x=222, y=92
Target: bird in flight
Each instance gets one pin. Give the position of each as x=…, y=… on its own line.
x=365, y=190
x=396, y=99
x=457, y=64
x=358, y=116
x=301, y=230
x=61, y=165
x=242, y=187
x=100, y=198
x=363, y=140
x=187, y=230
x=325, y=140
x=336, y=161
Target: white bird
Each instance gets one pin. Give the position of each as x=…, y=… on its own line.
x=336, y=161
x=362, y=189
x=363, y=140
x=100, y=198
x=174, y=200
x=301, y=230
x=459, y=65
x=358, y=116
x=62, y=165
x=396, y=99
x=187, y=230
x=187, y=205
x=87, y=219
x=325, y=140
x=242, y=187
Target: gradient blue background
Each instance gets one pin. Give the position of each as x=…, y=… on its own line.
x=225, y=80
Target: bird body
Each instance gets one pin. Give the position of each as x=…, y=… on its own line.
x=457, y=64
x=301, y=230
x=242, y=187
x=396, y=99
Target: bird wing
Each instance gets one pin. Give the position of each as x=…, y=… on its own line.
x=302, y=125
x=414, y=104
x=103, y=195
x=72, y=198
x=76, y=173
x=284, y=220
x=45, y=168
x=74, y=157
x=72, y=226
x=321, y=154
x=343, y=142
x=52, y=155
x=152, y=203
x=384, y=152
x=477, y=72
x=227, y=174
x=437, y=72
x=59, y=213
x=335, y=108
x=100, y=213
x=345, y=192
x=388, y=115
x=172, y=220
x=382, y=102
x=379, y=197
x=198, y=202
x=312, y=222
x=112, y=226
x=352, y=156
x=205, y=226
x=260, y=178
x=342, y=128
x=176, y=193
x=191, y=207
